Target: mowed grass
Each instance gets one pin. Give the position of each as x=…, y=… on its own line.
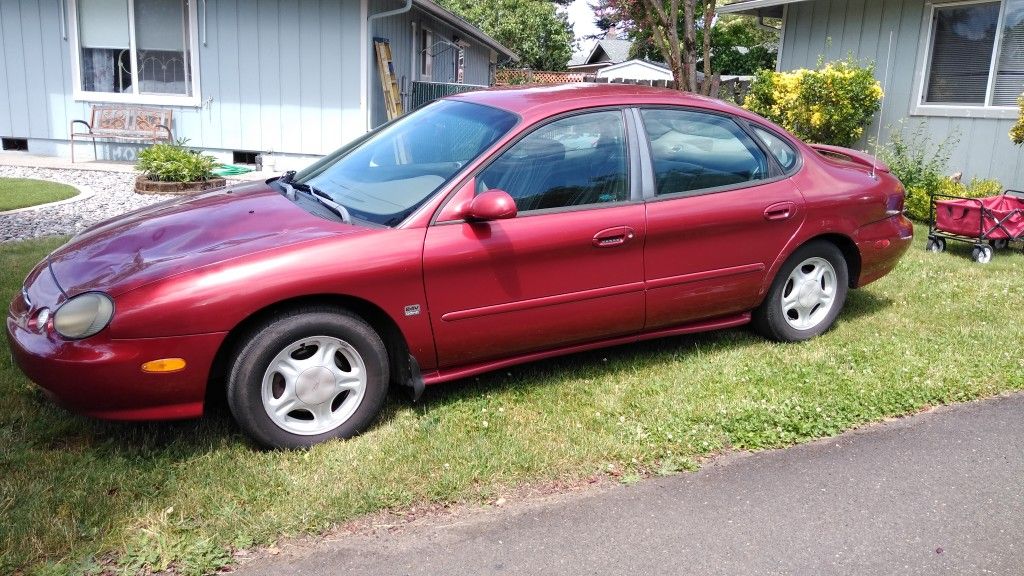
x=23, y=192
x=77, y=495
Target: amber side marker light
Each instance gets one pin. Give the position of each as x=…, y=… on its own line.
x=164, y=365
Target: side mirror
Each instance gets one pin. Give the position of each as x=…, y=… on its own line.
x=491, y=205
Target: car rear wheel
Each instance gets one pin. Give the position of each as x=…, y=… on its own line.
x=806, y=296
x=307, y=376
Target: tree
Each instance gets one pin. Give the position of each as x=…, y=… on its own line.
x=673, y=29
x=533, y=29
x=738, y=46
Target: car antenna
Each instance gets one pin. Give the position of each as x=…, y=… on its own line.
x=881, y=111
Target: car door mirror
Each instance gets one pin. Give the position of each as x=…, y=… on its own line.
x=491, y=205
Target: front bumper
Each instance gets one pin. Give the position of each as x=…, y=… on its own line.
x=102, y=377
x=881, y=246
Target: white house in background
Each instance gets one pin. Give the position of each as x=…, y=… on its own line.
x=636, y=70
x=605, y=53
x=295, y=77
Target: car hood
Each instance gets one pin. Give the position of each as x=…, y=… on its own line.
x=137, y=248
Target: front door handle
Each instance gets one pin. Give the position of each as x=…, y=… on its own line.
x=780, y=211
x=611, y=237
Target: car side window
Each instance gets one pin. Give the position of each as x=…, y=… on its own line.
x=694, y=151
x=779, y=148
x=575, y=161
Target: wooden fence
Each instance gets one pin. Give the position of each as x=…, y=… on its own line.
x=732, y=89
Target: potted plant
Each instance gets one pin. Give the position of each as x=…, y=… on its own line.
x=175, y=169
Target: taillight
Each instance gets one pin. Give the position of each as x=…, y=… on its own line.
x=895, y=202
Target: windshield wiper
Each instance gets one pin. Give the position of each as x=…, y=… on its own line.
x=322, y=197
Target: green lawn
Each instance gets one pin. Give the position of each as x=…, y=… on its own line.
x=77, y=495
x=22, y=192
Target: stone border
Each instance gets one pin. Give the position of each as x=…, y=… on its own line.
x=84, y=193
x=144, y=185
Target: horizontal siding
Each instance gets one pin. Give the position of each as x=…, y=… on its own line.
x=275, y=75
x=833, y=29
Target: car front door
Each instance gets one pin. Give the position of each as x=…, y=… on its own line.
x=567, y=269
x=719, y=213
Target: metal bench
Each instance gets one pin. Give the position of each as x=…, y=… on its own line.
x=124, y=123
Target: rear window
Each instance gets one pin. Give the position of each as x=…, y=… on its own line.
x=778, y=147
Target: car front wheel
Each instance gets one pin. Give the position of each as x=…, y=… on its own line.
x=806, y=296
x=306, y=376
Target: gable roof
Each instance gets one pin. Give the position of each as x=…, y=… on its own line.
x=616, y=50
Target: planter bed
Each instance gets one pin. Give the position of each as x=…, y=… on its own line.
x=144, y=185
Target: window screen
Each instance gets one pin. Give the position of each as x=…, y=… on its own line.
x=1010, y=72
x=963, y=38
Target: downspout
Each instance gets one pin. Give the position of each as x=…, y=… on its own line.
x=373, y=55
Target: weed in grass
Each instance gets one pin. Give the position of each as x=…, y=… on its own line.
x=76, y=494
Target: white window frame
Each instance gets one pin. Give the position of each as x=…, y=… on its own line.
x=426, y=59
x=923, y=68
x=113, y=97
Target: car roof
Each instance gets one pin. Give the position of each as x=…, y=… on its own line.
x=539, y=101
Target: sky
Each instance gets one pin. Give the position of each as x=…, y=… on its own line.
x=582, y=18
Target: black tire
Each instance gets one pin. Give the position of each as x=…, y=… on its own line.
x=982, y=254
x=999, y=244
x=935, y=245
x=268, y=341
x=769, y=319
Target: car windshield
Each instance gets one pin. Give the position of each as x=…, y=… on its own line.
x=384, y=178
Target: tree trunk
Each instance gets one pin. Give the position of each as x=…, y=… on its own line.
x=689, y=47
x=711, y=79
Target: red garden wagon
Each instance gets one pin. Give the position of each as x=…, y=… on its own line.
x=989, y=223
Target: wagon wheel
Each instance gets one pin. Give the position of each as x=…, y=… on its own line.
x=982, y=254
x=999, y=244
x=935, y=244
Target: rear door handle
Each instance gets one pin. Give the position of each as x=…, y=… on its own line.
x=611, y=237
x=780, y=211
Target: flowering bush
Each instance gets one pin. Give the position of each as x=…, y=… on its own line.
x=829, y=105
x=1017, y=131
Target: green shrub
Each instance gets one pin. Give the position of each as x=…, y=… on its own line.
x=919, y=163
x=829, y=105
x=175, y=163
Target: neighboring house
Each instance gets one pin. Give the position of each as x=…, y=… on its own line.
x=605, y=53
x=636, y=70
x=956, y=66
x=295, y=77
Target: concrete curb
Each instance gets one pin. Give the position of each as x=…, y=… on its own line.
x=84, y=193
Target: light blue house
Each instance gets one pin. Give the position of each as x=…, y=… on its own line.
x=956, y=66
x=294, y=77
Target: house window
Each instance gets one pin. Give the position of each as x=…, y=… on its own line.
x=135, y=51
x=426, y=54
x=976, y=55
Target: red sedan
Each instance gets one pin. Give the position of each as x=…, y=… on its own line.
x=485, y=230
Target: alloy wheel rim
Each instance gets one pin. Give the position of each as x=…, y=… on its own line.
x=314, y=385
x=809, y=293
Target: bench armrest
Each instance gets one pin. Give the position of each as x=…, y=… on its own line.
x=170, y=137
x=87, y=125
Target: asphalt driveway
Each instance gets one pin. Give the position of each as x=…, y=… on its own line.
x=937, y=493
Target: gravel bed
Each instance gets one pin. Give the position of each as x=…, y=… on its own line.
x=115, y=194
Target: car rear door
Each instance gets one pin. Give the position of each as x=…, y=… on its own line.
x=567, y=269
x=720, y=210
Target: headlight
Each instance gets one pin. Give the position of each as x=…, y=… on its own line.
x=83, y=315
